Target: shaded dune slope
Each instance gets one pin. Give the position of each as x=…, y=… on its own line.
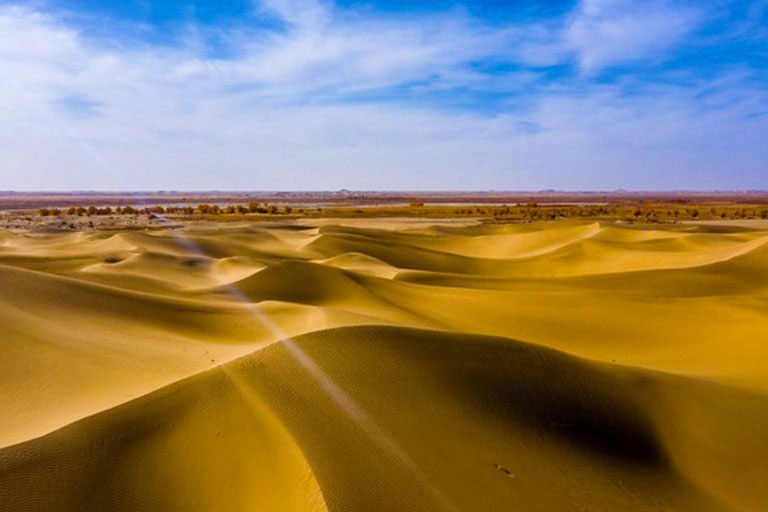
x=449, y=422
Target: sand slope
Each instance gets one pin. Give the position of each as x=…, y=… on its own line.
x=380, y=367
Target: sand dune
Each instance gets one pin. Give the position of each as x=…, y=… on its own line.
x=386, y=365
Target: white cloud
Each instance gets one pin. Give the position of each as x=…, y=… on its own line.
x=605, y=32
x=151, y=113
x=602, y=33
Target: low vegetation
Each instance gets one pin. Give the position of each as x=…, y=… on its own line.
x=200, y=209
x=533, y=211
x=645, y=212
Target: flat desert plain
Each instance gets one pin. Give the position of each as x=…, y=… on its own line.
x=385, y=366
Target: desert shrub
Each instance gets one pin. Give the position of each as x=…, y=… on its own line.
x=44, y=212
x=416, y=204
x=71, y=210
x=253, y=207
x=288, y=209
x=92, y=210
x=272, y=209
x=204, y=208
x=241, y=209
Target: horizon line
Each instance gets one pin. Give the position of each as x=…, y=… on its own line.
x=385, y=191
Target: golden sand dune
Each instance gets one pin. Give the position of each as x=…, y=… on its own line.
x=378, y=366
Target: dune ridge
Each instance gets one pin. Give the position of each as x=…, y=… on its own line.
x=380, y=367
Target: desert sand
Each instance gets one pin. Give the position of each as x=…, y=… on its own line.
x=385, y=365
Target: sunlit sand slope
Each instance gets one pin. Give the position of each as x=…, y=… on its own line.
x=380, y=367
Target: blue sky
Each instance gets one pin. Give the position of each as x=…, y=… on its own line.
x=393, y=95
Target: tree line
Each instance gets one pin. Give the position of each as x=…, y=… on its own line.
x=203, y=208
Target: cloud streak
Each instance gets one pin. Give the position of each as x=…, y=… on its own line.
x=605, y=32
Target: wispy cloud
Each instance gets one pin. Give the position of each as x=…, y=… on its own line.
x=606, y=32
x=326, y=50
x=603, y=33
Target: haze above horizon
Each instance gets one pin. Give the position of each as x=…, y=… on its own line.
x=388, y=95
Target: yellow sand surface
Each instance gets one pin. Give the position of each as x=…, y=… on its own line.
x=385, y=365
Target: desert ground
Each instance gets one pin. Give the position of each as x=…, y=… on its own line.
x=385, y=365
